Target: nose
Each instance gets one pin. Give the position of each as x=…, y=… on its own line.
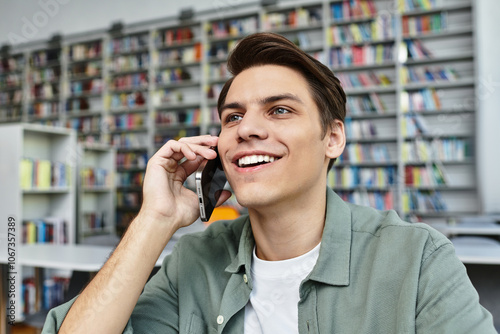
x=252, y=126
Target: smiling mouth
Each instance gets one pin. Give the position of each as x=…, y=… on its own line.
x=255, y=160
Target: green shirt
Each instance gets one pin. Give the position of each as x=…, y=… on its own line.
x=375, y=274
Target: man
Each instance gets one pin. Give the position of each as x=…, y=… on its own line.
x=302, y=261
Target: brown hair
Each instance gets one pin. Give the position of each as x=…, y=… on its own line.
x=273, y=49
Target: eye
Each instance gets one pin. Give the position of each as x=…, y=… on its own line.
x=280, y=111
x=233, y=118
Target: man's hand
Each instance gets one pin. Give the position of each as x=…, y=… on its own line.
x=165, y=196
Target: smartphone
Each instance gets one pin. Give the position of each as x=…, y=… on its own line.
x=210, y=182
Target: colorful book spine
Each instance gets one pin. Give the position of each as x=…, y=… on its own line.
x=233, y=27
x=79, y=70
x=173, y=75
x=367, y=104
x=128, y=199
x=380, y=29
x=44, y=174
x=359, y=129
x=417, y=50
x=94, y=86
x=359, y=55
x=437, y=150
x=427, y=74
x=175, y=36
x=131, y=160
x=423, y=100
x=186, y=117
x=423, y=201
x=350, y=177
x=50, y=230
x=95, y=177
x=428, y=176
x=415, y=25
x=131, y=100
x=128, y=44
x=352, y=9
x=94, y=221
x=130, y=179
x=380, y=200
x=130, y=140
x=10, y=98
x=356, y=153
x=134, y=62
x=53, y=292
x=292, y=19
x=414, y=125
x=85, y=51
x=130, y=81
x=11, y=64
x=180, y=55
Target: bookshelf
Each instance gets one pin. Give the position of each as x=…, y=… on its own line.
x=408, y=72
x=361, y=40
x=128, y=106
x=437, y=80
x=41, y=182
x=85, y=89
x=96, y=191
x=46, y=86
x=178, y=81
x=12, y=86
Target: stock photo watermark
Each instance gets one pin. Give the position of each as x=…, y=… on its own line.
x=31, y=25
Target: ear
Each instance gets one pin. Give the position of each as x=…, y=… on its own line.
x=335, y=139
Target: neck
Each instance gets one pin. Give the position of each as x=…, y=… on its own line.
x=288, y=230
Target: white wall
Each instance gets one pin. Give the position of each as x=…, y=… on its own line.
x=34, y=20
x=488, y=103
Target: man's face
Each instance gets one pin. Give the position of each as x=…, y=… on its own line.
x=270, y=142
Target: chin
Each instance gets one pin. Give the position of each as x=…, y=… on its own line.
x=253, y=197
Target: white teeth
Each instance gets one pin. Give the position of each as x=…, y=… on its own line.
x=253, y=159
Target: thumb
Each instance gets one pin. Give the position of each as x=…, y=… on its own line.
x=224, y=196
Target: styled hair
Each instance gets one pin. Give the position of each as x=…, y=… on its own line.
x=272, y=49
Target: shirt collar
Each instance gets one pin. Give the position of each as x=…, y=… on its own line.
x=333, y=263
x=245, y=248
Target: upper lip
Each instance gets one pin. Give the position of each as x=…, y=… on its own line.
x=240, y=155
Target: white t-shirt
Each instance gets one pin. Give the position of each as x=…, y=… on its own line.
x=273, y=305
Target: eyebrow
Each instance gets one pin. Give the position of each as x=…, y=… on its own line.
x=263, y=101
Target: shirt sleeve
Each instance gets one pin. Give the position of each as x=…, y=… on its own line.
x=155, y=312
x=447, y=300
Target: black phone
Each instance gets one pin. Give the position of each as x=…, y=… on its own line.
x=210, y=181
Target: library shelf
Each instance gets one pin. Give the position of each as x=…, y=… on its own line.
x=371, y=89
x=200, y=47
x=441, y=188
x=440, y=84
x=462, y=56
x=371, y=140
x=440, y=34
x=46, y=202
x=448, y=8
x=96, y=191
x=374, y=115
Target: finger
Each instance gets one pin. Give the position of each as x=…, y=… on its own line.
x=190, y=166
x=177, y=150
x=224, y=196
x=205, y=140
